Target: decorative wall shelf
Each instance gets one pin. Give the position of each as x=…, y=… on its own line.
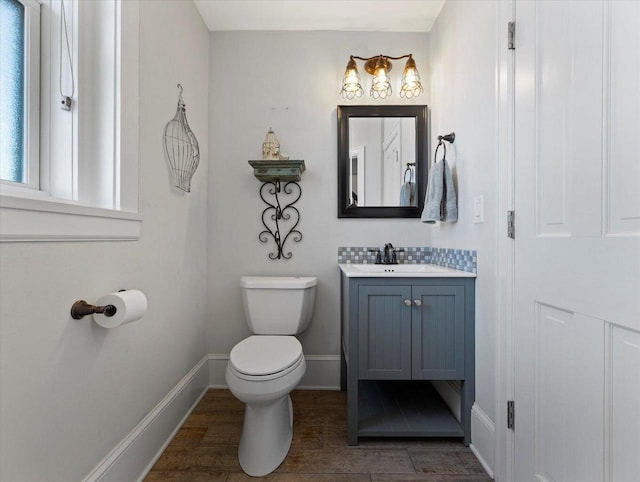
x=276, y=217
x=283, y=170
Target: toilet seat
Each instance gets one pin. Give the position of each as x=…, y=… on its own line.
x=265, y=357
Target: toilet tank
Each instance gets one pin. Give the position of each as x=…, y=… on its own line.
x=278, y=305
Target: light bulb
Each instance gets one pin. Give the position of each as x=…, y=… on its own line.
x=351, y=86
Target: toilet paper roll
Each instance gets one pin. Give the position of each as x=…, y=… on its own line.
x=131, y=305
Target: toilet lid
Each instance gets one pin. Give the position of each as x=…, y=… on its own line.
x=265, y=354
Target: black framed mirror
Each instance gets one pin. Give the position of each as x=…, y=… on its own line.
x=382, y=161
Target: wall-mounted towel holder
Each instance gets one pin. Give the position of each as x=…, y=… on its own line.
x=450, y=138
x=409, y=170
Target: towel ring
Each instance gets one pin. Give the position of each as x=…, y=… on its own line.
x=408, y=170
x=444, y=155
x=449, y=138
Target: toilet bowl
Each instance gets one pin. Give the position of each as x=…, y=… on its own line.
x=264, y=368
x=264, y=388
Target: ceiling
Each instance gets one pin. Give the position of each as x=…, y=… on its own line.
x=350, y=15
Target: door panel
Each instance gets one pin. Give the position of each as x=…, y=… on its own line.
x=577, y=246
x=568, y=122
x=384, y=331
x=438, y=333
x=625, y=404
x=622, y=148
x=569, y=383
x=392, y=167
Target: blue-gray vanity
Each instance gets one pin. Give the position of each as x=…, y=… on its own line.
x=403, y=326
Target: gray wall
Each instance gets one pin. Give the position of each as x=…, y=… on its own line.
x=291, y=82
x=464, y=93
x=70, y=390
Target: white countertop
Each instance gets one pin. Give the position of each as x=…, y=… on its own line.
x=402, y=271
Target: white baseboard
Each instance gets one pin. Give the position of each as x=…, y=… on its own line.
x=134, y=456
x=483, y=432
x=323, y=372
x=217, y=367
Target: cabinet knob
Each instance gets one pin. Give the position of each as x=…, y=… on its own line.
x=418, y=302
x=407, y=302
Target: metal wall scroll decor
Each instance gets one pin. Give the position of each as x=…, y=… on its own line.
x=181, y=148
x=280, y=183
x=274, y=216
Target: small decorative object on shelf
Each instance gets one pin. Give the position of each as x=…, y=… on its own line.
x=276, y=218
x=181, y=147
x=271, y=147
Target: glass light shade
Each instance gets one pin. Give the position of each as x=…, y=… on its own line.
x=351, y=86
x=381, y=85
x=411, y=86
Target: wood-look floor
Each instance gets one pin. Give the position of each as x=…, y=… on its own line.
x=206, y=447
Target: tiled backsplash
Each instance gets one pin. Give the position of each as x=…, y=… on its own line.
x=462, y=259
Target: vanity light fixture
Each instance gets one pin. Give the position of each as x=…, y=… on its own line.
x=379, y=67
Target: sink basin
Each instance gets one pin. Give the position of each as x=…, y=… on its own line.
x=398, y=268
x=401, y=270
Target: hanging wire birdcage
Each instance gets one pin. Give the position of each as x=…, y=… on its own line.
x=181, y=147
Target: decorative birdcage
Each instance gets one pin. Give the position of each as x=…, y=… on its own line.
x=181, y=148
x=271, y=146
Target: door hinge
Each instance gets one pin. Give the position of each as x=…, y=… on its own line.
x=511, y=414
x=511, y=224
x=511, y=42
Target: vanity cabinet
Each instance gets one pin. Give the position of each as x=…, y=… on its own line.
x=398, y=334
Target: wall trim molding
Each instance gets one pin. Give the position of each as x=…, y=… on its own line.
x=133, y=457
x=504, y=444
x=323, y=372
x=483, y=439
x=31, y=220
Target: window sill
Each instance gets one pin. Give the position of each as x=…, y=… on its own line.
x=27, y=220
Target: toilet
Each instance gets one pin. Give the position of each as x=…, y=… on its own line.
x=264, y=368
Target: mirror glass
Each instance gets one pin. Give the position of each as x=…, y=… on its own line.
x=381, y=160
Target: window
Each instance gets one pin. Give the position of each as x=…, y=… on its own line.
x=12, y=93
x=69, y=175
x=19, y=95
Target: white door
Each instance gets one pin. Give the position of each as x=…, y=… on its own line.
x=577, y=247
x=391, y=166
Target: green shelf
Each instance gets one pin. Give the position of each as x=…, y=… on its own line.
x=281, y=170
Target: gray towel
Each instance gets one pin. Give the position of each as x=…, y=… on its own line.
x=407, y=194
x=440, y=202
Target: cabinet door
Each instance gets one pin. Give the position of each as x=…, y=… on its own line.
x=438, y=332
x=384, y=332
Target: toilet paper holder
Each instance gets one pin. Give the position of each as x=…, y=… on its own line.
x=81, y=308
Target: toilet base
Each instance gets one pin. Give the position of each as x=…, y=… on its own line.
x=266, y=436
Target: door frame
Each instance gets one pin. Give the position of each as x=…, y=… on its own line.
x=505, y=142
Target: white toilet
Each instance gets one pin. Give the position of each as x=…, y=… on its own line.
x=265, y=367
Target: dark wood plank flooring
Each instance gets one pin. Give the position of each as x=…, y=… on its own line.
x=205, y=448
